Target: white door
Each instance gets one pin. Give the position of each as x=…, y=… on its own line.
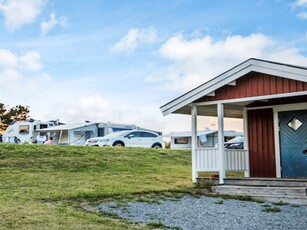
x=147, y=139
x=133, y=139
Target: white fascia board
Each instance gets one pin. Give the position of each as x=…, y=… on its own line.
x=223, y=78
x=281, y=70
x=189, y=98
x=294, y=75
x=256, y=98
x=290, y=72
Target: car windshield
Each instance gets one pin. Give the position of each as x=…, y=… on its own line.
x=236, y=139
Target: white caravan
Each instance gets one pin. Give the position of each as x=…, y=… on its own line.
x=78, y=134
x=24, y=132
x=207, y=138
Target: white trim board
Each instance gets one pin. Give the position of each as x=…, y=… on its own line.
x=256, y=98
x=279, y=108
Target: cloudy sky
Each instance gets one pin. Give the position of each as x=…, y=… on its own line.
x=120, y=60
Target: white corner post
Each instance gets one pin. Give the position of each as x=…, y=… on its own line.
x=220, y=112
x=194, y=142
x=245, y=133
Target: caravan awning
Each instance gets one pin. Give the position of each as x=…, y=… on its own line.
x=64, y=127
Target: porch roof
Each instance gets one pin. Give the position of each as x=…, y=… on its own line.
x=234, y=107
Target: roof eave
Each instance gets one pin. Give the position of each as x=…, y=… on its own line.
x=251, y=65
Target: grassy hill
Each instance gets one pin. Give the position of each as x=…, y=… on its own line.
x=44, y=187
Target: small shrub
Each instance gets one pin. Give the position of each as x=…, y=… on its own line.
x=109, y=214
x=280, y=203
x=266, y=206
x=157, y=225
x=168, y=145
x=205, y=184
x=271, y=209
x=219, y=202
x=259, y=201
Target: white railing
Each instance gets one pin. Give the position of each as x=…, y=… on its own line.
x=207, y=160
x=236, y=159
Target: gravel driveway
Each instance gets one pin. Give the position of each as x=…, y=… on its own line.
x=210, y=213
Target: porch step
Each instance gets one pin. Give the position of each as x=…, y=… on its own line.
x=294, y=195
x=268, y=182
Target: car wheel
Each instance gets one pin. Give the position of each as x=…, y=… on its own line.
x=156, y=146
x=118, y=144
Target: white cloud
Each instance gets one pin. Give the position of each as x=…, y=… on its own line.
x=7, y=59
x=300, y=3
x=195, y=61
x=97, y=108
x=18, y=13
x=302, y=15
x=134, y=38
x=21, y=76
x=24, y=81
x=300, y=6
x=31, y=61
x=46, y=26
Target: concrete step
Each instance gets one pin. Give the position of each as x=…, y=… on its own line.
x=242, y=190
x=269, y=182
x=294, y=195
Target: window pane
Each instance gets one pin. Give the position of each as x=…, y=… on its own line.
x=24, y=129
x=100, y=132
x=145, y=134
x=181, y=140
x=133, y=134
x=43, y=126
x=295, y=124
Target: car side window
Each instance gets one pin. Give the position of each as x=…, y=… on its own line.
x=149, y=135
x=133, y=134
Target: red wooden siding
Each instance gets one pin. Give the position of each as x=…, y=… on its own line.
x=261, y=143
x=256, y=84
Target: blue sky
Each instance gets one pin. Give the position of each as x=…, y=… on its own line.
x=120, y=60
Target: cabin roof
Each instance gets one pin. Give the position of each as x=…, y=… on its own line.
x=292, y=72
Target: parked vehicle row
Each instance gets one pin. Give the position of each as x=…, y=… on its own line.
x=129, y=138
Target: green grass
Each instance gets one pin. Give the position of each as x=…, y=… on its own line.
x=44, y=187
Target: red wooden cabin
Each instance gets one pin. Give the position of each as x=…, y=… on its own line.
x=272, y=100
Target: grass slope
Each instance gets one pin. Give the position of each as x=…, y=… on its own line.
x=43, y=187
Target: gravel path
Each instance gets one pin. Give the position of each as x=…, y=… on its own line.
x=190, y=213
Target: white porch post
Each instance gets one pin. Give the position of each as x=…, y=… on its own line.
x=220, y=112
x=245, y=132
x=194, y=142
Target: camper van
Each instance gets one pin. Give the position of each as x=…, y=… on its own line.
x=24, y=132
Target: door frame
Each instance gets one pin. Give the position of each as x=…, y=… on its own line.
x=276, y=110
